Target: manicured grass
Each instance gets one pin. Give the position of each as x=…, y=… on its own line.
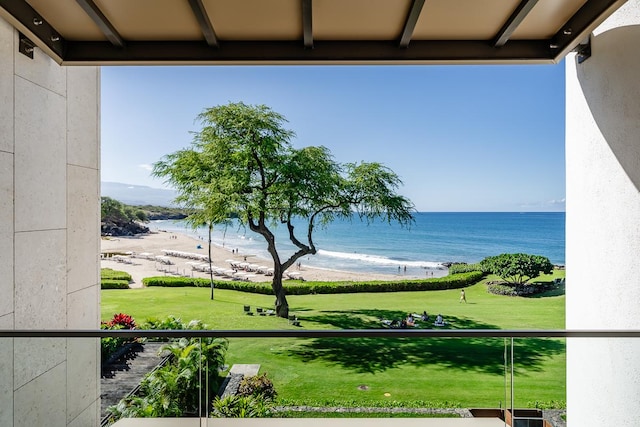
x=396, y=372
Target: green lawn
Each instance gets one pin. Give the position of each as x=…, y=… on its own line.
x=419, y=372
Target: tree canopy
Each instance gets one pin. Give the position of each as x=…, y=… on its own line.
x=517, y=268
x=120, y=219
x=242, y=161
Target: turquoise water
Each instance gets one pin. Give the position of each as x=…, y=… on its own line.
x=435, y=238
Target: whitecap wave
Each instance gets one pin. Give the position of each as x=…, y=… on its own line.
x=378, y=259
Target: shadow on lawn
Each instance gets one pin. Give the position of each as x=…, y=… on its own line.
x=371, y=355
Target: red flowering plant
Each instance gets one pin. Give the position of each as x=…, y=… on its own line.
x=123, y=320
x=110, y=345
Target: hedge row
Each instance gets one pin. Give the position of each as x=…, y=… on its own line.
x=518, y=291
x=306, y=288
x=107, y=273
x=114, y=284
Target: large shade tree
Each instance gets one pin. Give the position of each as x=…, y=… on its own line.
x=517, y=269
x=242, y=162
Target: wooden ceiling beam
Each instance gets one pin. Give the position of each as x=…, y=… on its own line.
x=410, y=24
x=102, y=22
x=307, y=23
x=513, y=22
x=205, y=23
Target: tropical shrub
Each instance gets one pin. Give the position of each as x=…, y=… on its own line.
x=257, y=385
x=169, y=322
x=110, y=345
x=236, y=406
x=179, y=387
x=502, y=288
x=123, y=320
x=498, y=289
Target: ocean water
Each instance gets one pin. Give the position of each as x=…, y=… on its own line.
x=433, y=239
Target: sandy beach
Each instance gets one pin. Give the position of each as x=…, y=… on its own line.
x=140, y=266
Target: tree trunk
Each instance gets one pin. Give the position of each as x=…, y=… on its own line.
x=282, y=306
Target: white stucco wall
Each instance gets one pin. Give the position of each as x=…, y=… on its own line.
x=603, y=224
x=49, y=237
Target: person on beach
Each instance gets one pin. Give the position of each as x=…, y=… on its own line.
x=463, y=297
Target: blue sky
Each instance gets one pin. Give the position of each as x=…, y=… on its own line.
x=462, y=138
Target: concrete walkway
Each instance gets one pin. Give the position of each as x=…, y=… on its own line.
x=123, y=375
x=238, y=371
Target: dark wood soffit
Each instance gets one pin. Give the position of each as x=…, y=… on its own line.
x=33, y=24
x=291, y=52
x=580, y=25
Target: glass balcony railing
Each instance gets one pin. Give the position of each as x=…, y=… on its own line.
x=516, y=377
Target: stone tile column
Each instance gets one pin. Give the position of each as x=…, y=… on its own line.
x=49, y=237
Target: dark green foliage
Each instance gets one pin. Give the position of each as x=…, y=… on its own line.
x=112, y=210
x=257, y=385
x=170, y=322
x=113, y=279
x=110, y=345
x=497, y=289
x=118, y=219
x=235, y=406
x=151, y=212
x=527, y=289
x=179, y=387
x=141, y=215
x=517, y=269
x=293, y=287
x=114, y=284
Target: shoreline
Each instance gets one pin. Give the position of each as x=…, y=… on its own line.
x=144, y=247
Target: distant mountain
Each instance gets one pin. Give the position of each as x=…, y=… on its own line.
x=137, y=194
